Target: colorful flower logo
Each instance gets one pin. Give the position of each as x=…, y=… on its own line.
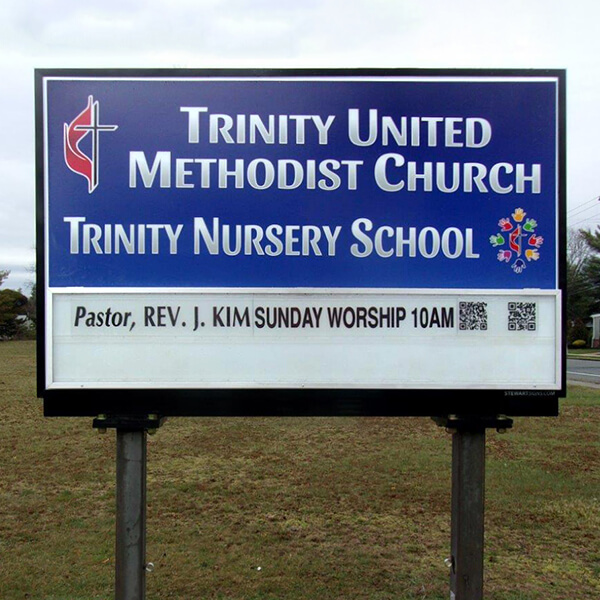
x=521, y=240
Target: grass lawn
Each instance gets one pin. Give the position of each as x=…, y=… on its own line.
x=587, y=353
x=290, y=509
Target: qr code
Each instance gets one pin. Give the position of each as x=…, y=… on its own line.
x=521, y=316
x=472, y=316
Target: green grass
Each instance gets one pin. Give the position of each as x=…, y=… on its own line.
x=327, y=508
x=585, y=353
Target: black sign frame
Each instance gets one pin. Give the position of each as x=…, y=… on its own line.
x=294, y=402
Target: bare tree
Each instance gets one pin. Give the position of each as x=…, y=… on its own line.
x=3, y=276
x=578, y=250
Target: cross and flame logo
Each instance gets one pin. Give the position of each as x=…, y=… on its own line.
x=87, y=122
x=523, y=242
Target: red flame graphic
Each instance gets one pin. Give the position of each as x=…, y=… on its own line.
x=76, y=160
x=515, y=240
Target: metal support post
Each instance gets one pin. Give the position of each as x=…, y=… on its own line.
x=130, y=556
x=468, y=479
x=468, y=495
x=130, y=568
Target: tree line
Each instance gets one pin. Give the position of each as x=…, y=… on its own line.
x=17, y=311
x=583, y=282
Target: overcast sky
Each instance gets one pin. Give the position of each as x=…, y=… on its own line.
x=282, y=33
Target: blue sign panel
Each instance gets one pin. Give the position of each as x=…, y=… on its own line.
x=398, y=182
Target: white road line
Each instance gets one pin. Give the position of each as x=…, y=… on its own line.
x=584, y=374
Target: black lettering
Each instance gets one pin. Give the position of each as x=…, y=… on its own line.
x=173, y=316
x=162, y=316
x=361, y=316
x=448, y=317
x=217, y=320
x=349, y=312
x=317, y=314
x=149, y=316
x=307, y=319
x=335, y=316
x=400, y=315
x=259, y=317
x=295, y=317
x=80, y=312
x=241, y=318
x=385, y=317
x=373, y=320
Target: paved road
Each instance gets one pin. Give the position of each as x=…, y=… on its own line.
x=583, y=370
